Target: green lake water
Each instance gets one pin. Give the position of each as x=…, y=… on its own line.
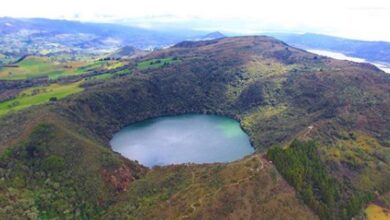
x=180, y=139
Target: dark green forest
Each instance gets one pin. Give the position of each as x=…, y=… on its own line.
x=301, y=166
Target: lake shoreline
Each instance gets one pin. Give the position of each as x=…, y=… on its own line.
x=185, y=138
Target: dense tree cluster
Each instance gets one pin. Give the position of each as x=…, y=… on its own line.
x=302, y=168
x=38, y=180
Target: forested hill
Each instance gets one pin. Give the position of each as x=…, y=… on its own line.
x=56, y=161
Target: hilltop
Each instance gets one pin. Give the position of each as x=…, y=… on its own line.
x=278, y=92
x=127, y=52
x=213, y=36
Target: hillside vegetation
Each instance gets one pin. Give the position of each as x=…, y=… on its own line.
x=39, y=95
x=279, y=93
x=40, y=67
x=250, y=189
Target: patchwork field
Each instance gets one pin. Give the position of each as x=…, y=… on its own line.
x=39, y=95
x=35, y=67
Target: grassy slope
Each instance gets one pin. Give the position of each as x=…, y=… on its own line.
x=39, y=95
x=250, y=188
x=296, y=94
x=156, y=63
x=115, y=73
x=34, y=67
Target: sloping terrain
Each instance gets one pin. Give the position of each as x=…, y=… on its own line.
x=35, y=67
x=72, y=40
x=248, y=189
x=127, y=52
x=279, y=93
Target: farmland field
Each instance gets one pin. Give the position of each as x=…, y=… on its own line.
x=39, y=95
x=34, y=67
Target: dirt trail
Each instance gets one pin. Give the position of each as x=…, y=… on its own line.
x=213, y=194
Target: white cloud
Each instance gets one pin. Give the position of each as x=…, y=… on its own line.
x=350, y=18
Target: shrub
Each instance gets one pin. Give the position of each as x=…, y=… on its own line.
x=53, y=99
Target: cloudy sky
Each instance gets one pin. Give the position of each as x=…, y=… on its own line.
x=358, y=19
